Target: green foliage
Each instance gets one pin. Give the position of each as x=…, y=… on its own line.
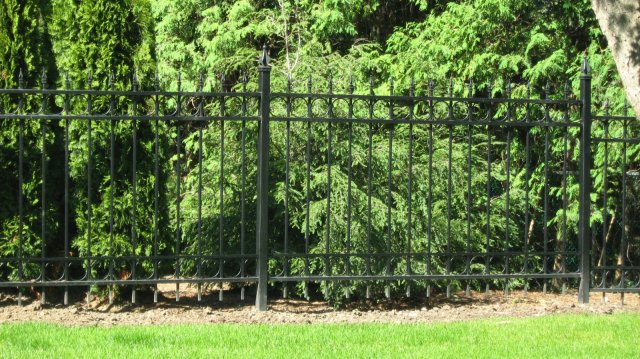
x=487, y=41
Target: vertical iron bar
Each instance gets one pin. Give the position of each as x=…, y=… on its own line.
x=66, y=191
x=221, y=182
x=602, y=263
x=545, y=233
x=487, y=265
x=134, y=180
x=430, y=187
x=200, y=125
x=20, y=189
x=389, y=182
x=349, y=179
x=243, y=184
x=369, y=185
x=449, y=185
x=263, y=182
x=527, y=151
x=327, y=259
x=469, y=167
x=178, y=180
x=112, y=146
x=585, y=184
x=565, y=204
x=507, y=195
x=623, y=243
x=285, y=290
x=156, y=109
x=89, y=169
x=43, y=129
x=409, y=271
x=308, y=189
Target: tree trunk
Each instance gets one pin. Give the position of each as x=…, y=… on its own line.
x=620, y=23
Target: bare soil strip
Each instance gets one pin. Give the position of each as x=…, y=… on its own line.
x=233, y=310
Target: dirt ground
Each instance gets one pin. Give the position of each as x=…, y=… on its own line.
x=232, y=310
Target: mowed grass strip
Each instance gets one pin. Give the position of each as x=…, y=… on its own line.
x=568, y=336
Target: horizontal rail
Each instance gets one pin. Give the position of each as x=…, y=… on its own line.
x=431, y=277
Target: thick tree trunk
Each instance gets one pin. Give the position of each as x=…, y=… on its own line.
x=620, y=23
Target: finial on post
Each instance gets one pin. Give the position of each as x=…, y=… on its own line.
x=586, y=68
x=264, y=59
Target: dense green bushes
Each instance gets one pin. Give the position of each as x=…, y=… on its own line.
x=483, y=40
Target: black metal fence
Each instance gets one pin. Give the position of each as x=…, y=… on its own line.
x=423, y=188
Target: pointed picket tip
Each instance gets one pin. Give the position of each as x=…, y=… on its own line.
x=112, y=78
x=156, y=80
x=586, y=68
x=134, y=80
x=351, y=85
x=20, y=78
x=371, y=84
x=470, y=94
x=222, y=80
x=264, y=58
x=67, y=81
x=309, y=83
x=200, y=81
x=44, y=78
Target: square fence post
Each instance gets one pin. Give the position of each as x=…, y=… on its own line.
x=263, y=182
x=584, y=229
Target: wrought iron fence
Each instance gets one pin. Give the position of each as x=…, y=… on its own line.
x=463, y=187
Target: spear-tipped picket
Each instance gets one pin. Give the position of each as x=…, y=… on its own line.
x=156, y=81
x=20, y=79
x=470, y=89
x=90, y=80
x=489, y=89
x=67, y=81
x=330, y=82
x=134, y=80
x=547, y=90
x=351, y=85
x=391, y=83
x=244, y=82
x=222, y=80
x=371, y=85
x=200, y=82
x=309, y=84
x=43, y=79
x=412, y=86
x=567, y=90
x=431, y=87
x=112, y=80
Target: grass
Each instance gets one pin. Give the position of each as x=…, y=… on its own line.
x=569, y=336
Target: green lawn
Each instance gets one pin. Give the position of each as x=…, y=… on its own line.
x=570, y=336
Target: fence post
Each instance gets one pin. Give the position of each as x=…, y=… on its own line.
x=262, y=228
x=584, y=229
